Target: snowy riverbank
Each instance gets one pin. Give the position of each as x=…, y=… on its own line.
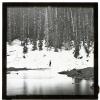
x=60, y=61
x=86, y=73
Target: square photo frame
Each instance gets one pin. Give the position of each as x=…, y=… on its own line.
x=42, y=50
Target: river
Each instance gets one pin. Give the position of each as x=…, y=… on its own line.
x=45, y=82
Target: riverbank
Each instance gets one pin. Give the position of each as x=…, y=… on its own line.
x=17, y=69
x=86, y=73
x=23, y=69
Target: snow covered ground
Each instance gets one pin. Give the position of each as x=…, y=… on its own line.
x=62, y=60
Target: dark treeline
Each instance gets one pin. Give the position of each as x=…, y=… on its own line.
x=56, y=25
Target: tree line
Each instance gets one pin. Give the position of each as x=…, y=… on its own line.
x=55, y=25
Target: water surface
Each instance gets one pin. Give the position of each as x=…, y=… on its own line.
x=45, y=82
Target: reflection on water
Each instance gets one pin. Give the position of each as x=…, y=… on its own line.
x=45, y=82
x=82, y=87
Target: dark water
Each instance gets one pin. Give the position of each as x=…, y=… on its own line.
x=45, y=82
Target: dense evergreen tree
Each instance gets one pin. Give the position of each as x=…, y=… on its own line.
x=58, y=26
x=34, y=45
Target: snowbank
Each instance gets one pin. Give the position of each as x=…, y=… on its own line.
x=62, y=60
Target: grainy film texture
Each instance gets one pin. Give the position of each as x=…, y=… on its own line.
x=50, y=50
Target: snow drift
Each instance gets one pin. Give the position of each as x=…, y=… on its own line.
x=62, y=60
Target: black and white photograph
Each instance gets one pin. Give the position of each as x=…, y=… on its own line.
x=50, y=50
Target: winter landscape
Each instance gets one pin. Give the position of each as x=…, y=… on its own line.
x=50, y=51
